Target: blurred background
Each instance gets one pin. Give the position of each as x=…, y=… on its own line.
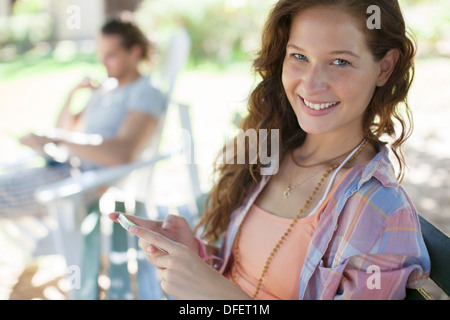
x=46, y=49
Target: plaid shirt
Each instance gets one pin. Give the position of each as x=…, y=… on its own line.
x=367, y=243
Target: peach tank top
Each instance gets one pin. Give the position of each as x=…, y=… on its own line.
x=261, y=231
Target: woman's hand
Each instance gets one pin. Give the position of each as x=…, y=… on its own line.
x=184, y=275
x=173, y=227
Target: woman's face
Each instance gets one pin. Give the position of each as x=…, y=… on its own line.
x=329, y=74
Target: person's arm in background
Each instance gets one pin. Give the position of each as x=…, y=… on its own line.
x=145, y=105
x=133, y=135
x=66, y=119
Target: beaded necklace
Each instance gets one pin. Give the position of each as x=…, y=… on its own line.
x=289, y=229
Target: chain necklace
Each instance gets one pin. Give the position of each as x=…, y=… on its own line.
x=288, y=192
x=289, y=229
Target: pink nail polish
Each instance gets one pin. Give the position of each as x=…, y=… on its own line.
x=134, y=230
x=166, y=224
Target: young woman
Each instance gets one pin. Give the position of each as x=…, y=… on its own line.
x=333, y=222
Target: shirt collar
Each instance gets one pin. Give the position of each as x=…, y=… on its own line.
x=380, y=167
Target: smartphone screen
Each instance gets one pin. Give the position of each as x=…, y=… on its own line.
x=127, y=224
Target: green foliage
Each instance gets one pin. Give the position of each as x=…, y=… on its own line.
x=429, y=20
x=221, y=30
x=28, y=25
x=29, y=6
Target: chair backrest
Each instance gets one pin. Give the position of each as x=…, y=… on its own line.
x=174, y=60
x=438, y=245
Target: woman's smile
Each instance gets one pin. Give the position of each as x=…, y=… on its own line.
x=318, y=108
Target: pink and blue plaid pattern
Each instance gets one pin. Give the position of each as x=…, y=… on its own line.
x=369, y=229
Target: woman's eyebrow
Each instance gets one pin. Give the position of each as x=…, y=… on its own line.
x=348, y=52
x=293, y=46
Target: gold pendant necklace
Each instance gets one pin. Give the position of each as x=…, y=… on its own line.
x=288, y=192
x=288, y=231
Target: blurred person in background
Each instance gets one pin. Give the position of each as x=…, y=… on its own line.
x=113, y=128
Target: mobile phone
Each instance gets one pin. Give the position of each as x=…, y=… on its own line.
x=127, y=224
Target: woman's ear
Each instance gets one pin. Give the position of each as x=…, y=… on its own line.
x=387, y=66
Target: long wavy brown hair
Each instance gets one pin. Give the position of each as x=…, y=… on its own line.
x=270, y=109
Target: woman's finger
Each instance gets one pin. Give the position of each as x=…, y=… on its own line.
x=159, y=241
x=163, y=274
x=161, y=261
x=153, y=256
x=148, y=248
x=171, y=221
x=145, y=223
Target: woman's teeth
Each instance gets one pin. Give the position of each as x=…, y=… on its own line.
x=319, y=106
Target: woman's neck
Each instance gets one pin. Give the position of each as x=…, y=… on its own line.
x=320, y=148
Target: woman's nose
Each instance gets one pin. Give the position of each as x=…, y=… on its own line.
x=314, y=80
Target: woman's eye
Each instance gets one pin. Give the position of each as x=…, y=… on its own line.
x=341, y=62
x=299, y=56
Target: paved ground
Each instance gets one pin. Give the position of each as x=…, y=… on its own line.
x=28, y=269
x=428, y=151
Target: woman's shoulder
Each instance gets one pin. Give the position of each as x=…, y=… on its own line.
x=374, y=208
x=374, y=185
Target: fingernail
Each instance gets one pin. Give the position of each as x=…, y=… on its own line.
x=166, y=224
x=134, y=230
